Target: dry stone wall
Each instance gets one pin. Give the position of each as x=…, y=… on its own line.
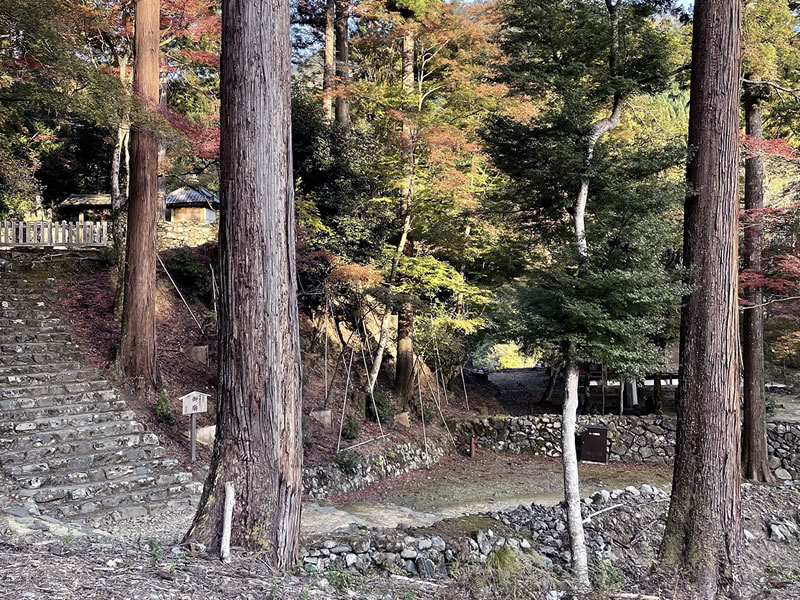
x=353, y=471
x=185, y=234
x=648, y=439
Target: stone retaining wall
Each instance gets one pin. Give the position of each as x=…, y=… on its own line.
x=649, y=439
x=330, y=480
x=185, y=234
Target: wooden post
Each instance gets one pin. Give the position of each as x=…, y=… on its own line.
x=194, y=437
x=227, y=518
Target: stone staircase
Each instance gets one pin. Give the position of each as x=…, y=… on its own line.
x=67, y=441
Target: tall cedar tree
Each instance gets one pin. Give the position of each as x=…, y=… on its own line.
x=703, y=531
x=754, y=436
x=138, y=347
x=769, y=53
x=258, y=447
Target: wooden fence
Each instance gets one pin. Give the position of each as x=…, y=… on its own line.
x=46, y=233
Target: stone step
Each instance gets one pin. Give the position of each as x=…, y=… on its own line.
x=57, y=422
x=44, y=377
x=39, y=358
x=84, y=462
x=51, y=367
x=49, y=479
x=98, y=489
x=147, y=501
x=54, y=389
x=46, y=403
x=9, y=349
x=22, y=302
x=10, y=326
x=8, y=339
x=22, y=440
x=25, y=313
x=73, y=449
x=62, y=410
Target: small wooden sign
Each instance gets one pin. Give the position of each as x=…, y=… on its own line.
x=195, y=402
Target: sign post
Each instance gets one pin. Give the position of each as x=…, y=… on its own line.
x=194, y=403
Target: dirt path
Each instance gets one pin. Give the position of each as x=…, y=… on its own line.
x=459, y=485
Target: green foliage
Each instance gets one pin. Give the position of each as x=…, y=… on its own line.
x=69, y=538
x=156, y=551
x=351, y=428
x=493, y=355
x=342, y=580
x=385, y=410
x=605, y=576
x=348, y=461
x=505, y=561
x=191, y=274
x=163, y=409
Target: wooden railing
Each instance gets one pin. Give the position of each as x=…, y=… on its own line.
x=46, y=233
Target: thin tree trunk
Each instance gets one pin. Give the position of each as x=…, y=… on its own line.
x=343, y=62
x=569, y=460
x=162, y=151
x=258, y=446
x=329, y=66
x=405, y=205
x=570, y=408
x=117, y=224
x=704, y=529
x=658, y=395
x=754, y=440
x=138, y=358
x=404, y=369
x=551, y=384
x=118, y=200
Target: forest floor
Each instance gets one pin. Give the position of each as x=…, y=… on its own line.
x=140, y=563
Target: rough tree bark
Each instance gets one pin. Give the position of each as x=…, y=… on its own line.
x=138, y=346
x=404, y=365
x=329, y=66
x=118, y=202
x=658, y=395
x=754, y=435
x=342, y=23
x=703, y=531
x=258, y=446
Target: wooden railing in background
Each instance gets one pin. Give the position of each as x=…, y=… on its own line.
x=46, y=233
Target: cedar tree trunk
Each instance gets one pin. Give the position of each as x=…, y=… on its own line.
x=138, y=358
x=342, y=23
x=258, y=444
x=329, y=68
x=703, y=531
x=754, y=439
x=404, y=370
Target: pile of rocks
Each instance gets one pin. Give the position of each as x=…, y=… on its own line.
x=326, y=481
x=538, y=530
x=783, y=445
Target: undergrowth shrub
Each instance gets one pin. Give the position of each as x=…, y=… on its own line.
x=385, y=409
x=191, y=274
x=347, y=461
x=351, y=428
x=163, y=409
